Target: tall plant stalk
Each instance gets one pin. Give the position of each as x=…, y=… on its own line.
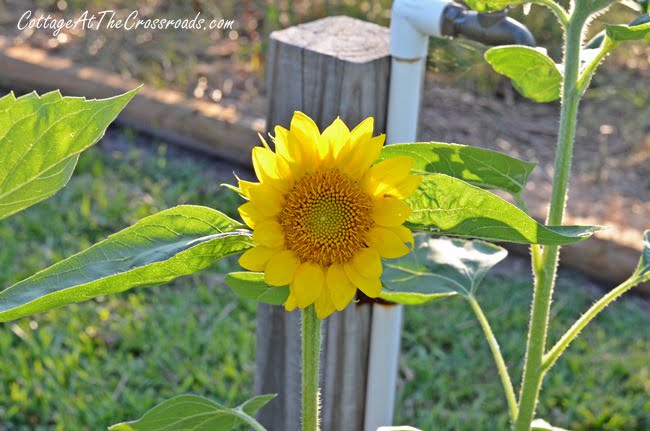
x=545, y=272
x=311, y=329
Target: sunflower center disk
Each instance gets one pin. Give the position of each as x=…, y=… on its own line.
x=325, y=218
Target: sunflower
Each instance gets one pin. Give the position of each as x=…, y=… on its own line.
x=323, y=216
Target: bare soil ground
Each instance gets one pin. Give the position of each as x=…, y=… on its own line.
x=611, y=167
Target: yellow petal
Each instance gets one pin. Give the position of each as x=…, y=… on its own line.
x=390, y=211
x=287, y=148
x=362, y=132
x=340, y=287
x=386, y=174
x=281, y=268
x=308, y=283
x=266, y=199
x=404, y=234
x=268, y=233
x=323, y=305
x=290, y=304
x=308, y=136
x=334, y=138
x=367, y=263
x=362, y=157
x=250, y=214
x=245, y=187
x=265, y=166
x=255, y=259
x=282, y=147
x=285, y=171
x=387, y=243
x=369, y=286
x=407, y=187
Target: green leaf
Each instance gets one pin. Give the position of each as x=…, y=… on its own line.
x=637, y=30
x=251, y=285
x=449, y=206
x=195, y=413
x=437, y=268
x=155, y=250
x=643, y=269
x=542, y=425
x=533, y=73
x=40, y=141
x=483, y=168
x=491, y=5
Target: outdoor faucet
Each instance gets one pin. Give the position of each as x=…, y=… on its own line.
x=489, y=28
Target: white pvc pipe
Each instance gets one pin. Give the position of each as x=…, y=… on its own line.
x=404, y=95
x=382, y=365
x=412, y=22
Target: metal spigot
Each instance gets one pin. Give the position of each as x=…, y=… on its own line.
x=494, y=28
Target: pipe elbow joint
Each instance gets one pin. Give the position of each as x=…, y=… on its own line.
x=411, y=24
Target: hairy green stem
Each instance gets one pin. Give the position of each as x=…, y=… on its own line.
x=535, y=250
x=311, y=341
x=545, y=271
x=553, y=354
x=506, y=382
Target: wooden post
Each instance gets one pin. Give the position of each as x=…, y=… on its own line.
x=336, y=66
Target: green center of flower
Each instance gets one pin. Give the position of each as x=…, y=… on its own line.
x=325, y=218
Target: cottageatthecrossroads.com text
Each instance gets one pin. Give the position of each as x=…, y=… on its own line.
x=107, y=19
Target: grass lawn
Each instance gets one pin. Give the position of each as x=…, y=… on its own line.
x=89, y=365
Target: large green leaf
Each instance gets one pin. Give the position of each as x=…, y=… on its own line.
x=251, y=285
x=449, y=206
x=533, y=73
x=491, y=5
x=195, y=413
x=437, y=268
x=157, y=249
x=643, y=269
x=637, y=30
x=40, y=141
x=483, y=168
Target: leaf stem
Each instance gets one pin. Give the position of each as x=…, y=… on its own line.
x=588, y=72
x=545, y=274
x=557, y=9
x=506, y=381
x=311, y=344
x=249, y=420
x=553, y=354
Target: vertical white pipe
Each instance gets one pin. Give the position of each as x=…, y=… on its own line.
x=404, y=95
x=412, y=22
x=382, y=365
x=405, y=92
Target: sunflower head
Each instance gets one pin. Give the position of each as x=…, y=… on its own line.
x=323, y=214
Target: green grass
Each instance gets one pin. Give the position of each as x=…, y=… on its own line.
x=89, y=365
x=601, y=383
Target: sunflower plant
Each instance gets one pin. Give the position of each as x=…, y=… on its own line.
x=333, y=213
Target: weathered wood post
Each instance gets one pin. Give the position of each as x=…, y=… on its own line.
x=336, y=66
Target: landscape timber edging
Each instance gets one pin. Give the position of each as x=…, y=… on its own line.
x=168, y=114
